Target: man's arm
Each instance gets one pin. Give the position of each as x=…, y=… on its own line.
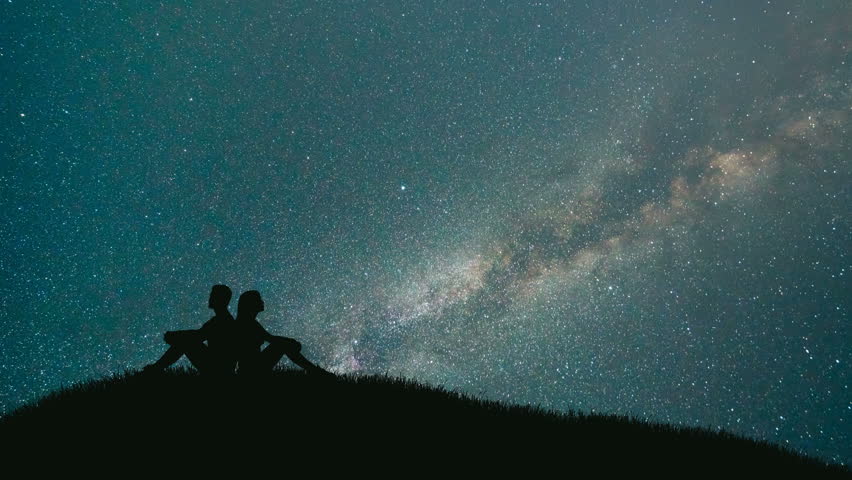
x=176, y=336
x=204, y=331
x=198, y=335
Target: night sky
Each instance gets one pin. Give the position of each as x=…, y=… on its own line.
x=635, y=208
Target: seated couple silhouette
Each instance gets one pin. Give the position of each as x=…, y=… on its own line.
x=232, y=345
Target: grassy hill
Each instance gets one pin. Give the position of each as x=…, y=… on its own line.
x=294, y=422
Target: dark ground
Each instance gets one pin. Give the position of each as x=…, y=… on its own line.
x=291, y=422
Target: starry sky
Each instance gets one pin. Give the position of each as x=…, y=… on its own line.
x=627, y=207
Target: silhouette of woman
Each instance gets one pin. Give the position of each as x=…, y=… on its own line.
x=249, y=336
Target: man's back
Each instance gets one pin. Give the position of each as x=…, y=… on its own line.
x=219, y=332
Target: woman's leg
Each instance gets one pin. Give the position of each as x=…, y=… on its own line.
x=281, y=346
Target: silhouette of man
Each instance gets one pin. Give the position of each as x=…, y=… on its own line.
x=250, y=336
x=217, y=356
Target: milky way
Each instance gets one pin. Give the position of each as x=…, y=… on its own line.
x=638, y=208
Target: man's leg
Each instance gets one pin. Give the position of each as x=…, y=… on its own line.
x=168, y=359
x=174, y=352
x=199, y=355
x=184, y=342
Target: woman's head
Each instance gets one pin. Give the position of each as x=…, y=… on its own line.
x=249, y=304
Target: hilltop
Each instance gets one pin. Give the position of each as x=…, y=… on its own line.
x=387, y=422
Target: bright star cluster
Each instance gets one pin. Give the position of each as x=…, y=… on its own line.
x=637, y=207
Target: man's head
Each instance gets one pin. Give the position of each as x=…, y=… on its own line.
x=250, y=304
x=220, y=297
